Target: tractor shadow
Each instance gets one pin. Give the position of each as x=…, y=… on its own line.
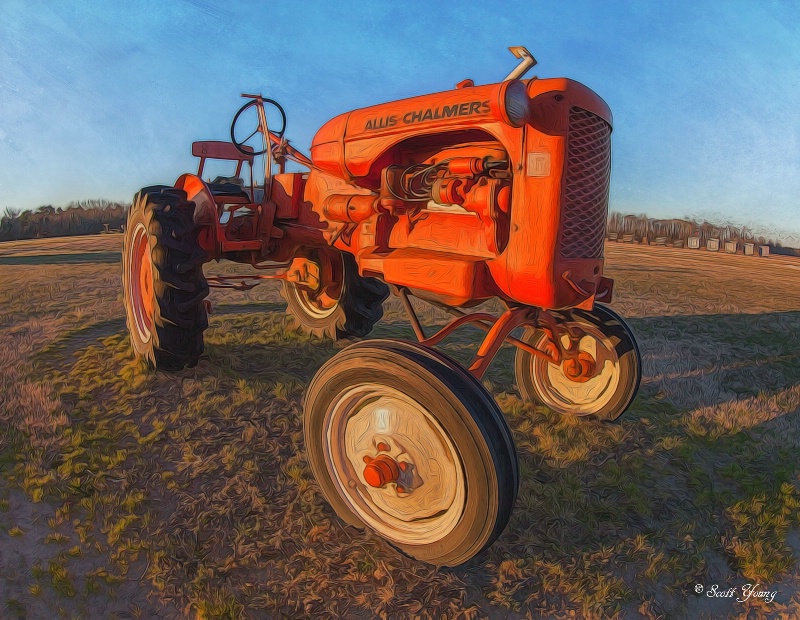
x=247, y=308
x=699, y=361
x=689, y=362
x=707, y=450
x=67, y=348
x=647, y=519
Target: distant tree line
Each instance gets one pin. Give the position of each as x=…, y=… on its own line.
x=647, y=229
x=86, y=217
x=82, y=217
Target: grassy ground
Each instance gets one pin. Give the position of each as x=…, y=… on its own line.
x=131, y=494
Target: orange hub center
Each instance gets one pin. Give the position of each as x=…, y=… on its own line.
x=580, y=369
x=381, y=470
x=146, y=286
x=142, y=283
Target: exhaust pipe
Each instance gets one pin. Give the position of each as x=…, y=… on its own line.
x=526, y=64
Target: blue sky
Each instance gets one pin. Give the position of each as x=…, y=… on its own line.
x=97, y=100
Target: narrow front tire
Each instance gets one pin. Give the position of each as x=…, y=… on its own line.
x=406, y=442
x=608, y=390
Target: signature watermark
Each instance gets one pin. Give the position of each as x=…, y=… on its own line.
x=742, y=593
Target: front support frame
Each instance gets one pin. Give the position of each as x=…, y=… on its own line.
x=499, y=332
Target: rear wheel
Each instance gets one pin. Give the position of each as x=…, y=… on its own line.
x=406, y=442
x=163, y=282
x=602, y=382
x=342, y=305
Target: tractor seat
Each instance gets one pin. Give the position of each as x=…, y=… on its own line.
x=228, y=186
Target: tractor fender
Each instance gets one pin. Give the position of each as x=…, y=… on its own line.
x=205, y=211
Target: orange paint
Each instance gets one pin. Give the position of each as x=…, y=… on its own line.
x=515, y=226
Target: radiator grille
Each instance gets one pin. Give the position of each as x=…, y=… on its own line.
x=585, y=207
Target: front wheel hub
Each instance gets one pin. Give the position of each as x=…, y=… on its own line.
x=580, y=369
x=381, y=470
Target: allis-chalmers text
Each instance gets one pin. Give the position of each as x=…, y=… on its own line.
x=431, y=114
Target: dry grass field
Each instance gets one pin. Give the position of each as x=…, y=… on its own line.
x=126, y=493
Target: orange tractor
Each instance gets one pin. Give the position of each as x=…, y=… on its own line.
x=476, y=193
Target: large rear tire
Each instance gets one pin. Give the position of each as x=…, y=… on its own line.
x=345, y=304
x=163, y=282
x=608, y=391
x=406, y=442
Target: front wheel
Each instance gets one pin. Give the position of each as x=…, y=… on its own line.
x=612, y=367
x=404, y=441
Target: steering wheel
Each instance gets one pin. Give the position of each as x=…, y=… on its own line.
x=240, y=144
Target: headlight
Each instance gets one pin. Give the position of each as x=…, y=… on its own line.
x=516, y=103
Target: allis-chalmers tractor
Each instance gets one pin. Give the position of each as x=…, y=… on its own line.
x=477, y=193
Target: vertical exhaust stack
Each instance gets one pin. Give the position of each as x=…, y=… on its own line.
x=526, y=64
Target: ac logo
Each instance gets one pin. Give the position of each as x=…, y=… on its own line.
x=538, y=164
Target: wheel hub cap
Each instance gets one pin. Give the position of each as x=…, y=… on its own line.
x=317, y=283
x=580, y=369
x=582, y=384
x=411, y=492
x=381, y=470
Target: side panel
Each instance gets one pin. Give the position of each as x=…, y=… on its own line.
x=524, y=272
x=287, y=192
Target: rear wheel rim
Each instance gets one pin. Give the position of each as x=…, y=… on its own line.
x=316, y=306
x=370, y=415
x=587, y=395
x=324, y=303
x=141, y=283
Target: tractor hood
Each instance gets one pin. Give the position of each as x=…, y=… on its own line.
x=382, y=125
x=348, y=145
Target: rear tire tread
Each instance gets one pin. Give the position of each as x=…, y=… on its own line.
x=179, y=286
